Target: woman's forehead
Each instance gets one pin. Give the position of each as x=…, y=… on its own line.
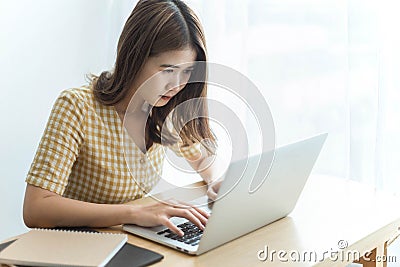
x=175, y=58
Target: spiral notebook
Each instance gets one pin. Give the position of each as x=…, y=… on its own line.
x=48, y=247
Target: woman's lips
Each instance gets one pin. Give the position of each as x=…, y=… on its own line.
x=164, y=97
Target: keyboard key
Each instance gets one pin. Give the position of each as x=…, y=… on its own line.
x=192, y=234
x=164, y=231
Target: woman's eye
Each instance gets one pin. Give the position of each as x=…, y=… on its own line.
x=168, y=70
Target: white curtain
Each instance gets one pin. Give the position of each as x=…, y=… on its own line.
x=323, y=66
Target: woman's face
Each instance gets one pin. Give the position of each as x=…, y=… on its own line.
x=164, y=75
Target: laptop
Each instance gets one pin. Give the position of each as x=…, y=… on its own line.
x=239, y=209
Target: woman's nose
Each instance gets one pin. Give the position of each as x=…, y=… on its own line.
x=175, y=83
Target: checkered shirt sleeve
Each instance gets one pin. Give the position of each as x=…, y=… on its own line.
x=59, y=146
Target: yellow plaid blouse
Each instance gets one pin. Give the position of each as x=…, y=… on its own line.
x=84, y=153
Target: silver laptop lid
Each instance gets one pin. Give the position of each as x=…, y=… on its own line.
x=247, y=200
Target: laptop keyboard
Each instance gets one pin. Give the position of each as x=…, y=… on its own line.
x=191, y=237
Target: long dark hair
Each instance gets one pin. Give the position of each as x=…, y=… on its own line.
x=154, y=27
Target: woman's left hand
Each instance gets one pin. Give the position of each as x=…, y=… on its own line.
x=212, y=190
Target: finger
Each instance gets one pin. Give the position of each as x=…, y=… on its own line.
x=203, y=219
x=186, y=205
x=202, y=212
x=187, y=214
x=166, y=222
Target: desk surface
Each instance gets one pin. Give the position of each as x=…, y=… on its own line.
x=331, y=214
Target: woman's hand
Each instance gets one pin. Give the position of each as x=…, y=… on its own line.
x=149, y=215
x=212, y=190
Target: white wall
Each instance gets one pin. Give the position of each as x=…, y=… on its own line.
x=45, y=46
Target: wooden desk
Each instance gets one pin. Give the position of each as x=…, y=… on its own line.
x=330, y=213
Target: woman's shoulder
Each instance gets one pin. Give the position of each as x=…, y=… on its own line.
x=77, y=100
x=83, y=93
x=80, y=97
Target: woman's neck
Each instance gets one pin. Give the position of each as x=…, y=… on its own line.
x=127, y=106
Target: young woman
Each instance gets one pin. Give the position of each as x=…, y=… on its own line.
x=83, y=170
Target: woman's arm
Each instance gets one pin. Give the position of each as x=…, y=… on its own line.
x=43, y=208
x=210, y=169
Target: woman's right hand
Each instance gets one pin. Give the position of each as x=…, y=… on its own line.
x=43, y=208
x=155, y=214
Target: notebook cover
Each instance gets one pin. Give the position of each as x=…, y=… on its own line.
x=129, y=256
x=134, y=256
x=48, y=247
